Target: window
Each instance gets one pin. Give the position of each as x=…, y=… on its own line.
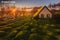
x=42, y=15
x=48, y=15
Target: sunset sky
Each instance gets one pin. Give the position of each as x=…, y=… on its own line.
x=33, y=3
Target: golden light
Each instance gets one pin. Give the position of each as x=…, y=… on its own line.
x=28, y=10
x=13, y=11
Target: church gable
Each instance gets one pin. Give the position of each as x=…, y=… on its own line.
x=43, y=13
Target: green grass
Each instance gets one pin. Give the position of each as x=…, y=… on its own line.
x=29, y=29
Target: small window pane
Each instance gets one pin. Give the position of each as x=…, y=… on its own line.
x=42, y=15
x=48, y=15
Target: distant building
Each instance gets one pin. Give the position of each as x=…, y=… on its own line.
x=43, y=12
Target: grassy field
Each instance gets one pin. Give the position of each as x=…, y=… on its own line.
x=29, y=29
